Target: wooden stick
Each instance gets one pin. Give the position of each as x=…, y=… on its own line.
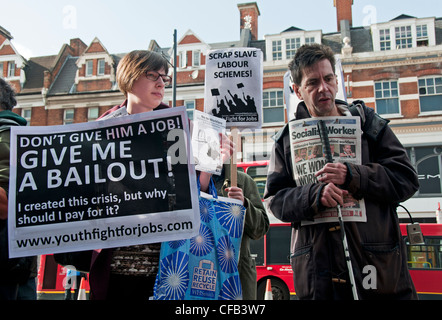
x=233, y=159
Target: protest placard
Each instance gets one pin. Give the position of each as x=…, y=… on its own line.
x=206, y=142
x=123, y=181
x=233, y=86
x=308, y=157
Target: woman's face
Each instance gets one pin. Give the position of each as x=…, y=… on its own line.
x=146, y=94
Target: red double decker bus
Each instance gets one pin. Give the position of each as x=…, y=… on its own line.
x=272, y=257
x=272, y=252
x=51, y=279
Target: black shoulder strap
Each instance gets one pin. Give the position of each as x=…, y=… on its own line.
x=374, y=124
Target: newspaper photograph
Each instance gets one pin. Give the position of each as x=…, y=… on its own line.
x=206, y=142
x=308, y=157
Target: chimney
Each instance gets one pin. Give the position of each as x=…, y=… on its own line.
x=47, y=79
x=249, y=13
x=343, y=11
x=78, y=46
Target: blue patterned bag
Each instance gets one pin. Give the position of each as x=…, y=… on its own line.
x=205, y=267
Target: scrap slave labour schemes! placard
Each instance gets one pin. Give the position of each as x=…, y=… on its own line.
x=233, y=88
x=122, y=181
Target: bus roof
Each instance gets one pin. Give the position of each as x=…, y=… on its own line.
x=428, y=229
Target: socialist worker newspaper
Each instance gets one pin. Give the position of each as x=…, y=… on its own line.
x=308, y=157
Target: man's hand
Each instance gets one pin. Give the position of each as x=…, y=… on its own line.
x=332, y=195
x=333, y=173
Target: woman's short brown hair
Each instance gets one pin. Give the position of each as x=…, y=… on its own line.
x=137, y=63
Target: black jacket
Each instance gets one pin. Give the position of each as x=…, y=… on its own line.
x=385, y=178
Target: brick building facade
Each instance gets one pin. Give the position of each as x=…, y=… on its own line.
x=394, y=66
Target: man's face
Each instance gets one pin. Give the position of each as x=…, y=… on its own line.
x=318, y=89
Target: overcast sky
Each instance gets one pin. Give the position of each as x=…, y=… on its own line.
x=41, y=27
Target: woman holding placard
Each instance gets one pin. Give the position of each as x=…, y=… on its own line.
x=128, y=273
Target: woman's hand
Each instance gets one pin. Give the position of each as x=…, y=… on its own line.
x=235, y=193
x=227, y=147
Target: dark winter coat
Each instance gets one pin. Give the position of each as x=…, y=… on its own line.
x=385, y=178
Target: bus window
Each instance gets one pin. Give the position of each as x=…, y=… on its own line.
x=428, y=256
x=258, y=171
x=257, y=251
x=261, y=184
x=278, y=245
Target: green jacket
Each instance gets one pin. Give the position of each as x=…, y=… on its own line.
x=256, y=226
x=25, y=267
x=7, y=120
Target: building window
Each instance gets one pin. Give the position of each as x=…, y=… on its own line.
x=291, y=45
x=93, y=113
x=100, y=67
x=273, y=106
x=403, y=37
x=277, y=50
x=183, y=59
x=89, y=68
x=387, y=97
x=11, y=69
x=1, y=70
x=384, y=38
x=430, y=94
x=196, y=58
x=27, y=113
x=421, y=35
x=309, y=40
x=190, y=106
x=68, y=116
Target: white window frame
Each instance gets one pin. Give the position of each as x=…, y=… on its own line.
x=26, y=113
x=277, y=50
x=396, y=114
x=93, y=113
x=277, y=106
x=190, y=107
x=101, y=67
x=11, y=69
x=291, y=45
x=435, y=93
x=66, y=116
x=196, y=58
x=414, y=24
x=183, y=59
x=403, y=37
x=284, y=53
x=89, y=68
x=310, y=40
x=422, y=35
x=385, y=38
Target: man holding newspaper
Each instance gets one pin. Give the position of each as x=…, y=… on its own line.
x=367, y=186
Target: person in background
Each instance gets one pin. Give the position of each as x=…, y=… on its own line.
x=73, y=282
x=385, y=178
x=14, y=272
x=256, y=223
